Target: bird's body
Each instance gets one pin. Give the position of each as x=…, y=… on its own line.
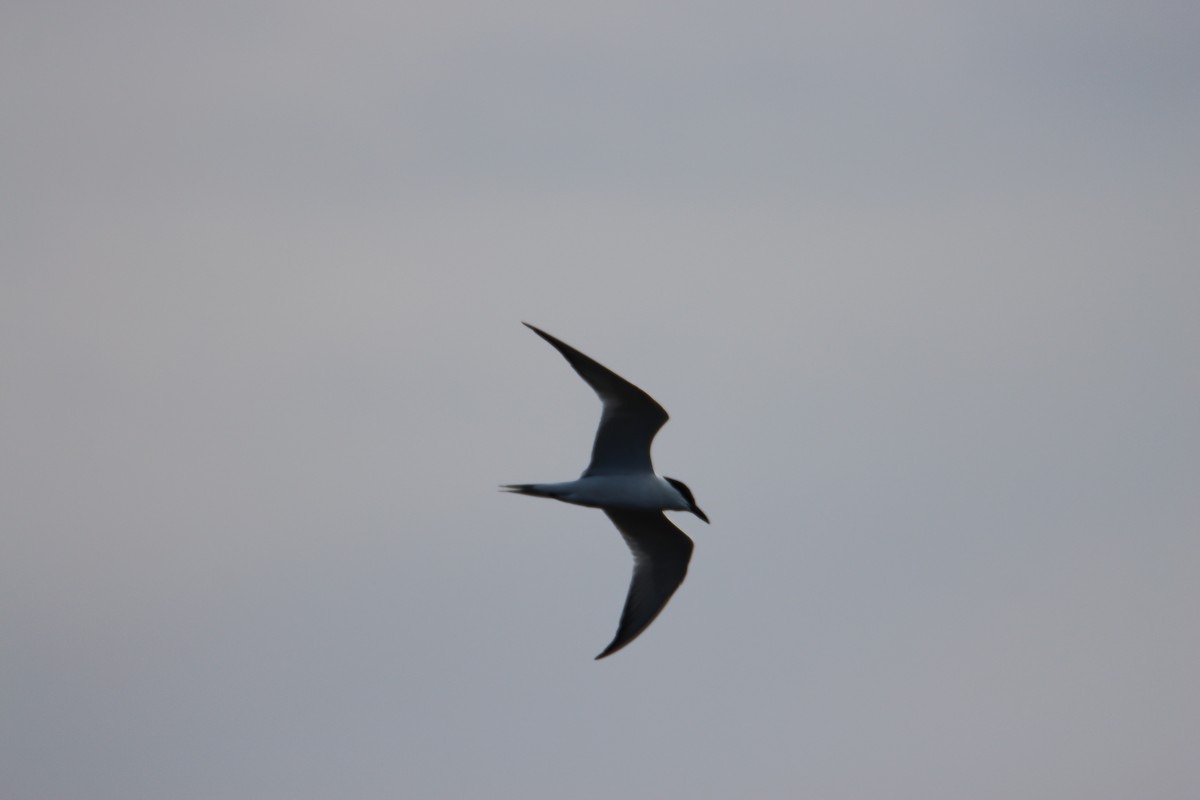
x=621, y=480
x=636, y=491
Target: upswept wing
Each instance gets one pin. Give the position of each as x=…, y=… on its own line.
x=630, y=419
x=661, y=553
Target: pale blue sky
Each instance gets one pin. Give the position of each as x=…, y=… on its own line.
x=917, y=283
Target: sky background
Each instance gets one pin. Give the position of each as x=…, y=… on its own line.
x=918, y=282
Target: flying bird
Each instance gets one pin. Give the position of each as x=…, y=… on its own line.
x=620, y=481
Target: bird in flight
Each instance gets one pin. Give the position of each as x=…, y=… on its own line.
x=621, y=482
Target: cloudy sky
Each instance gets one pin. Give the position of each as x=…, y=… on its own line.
x=918, y=282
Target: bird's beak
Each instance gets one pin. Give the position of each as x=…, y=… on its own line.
x=696, y=510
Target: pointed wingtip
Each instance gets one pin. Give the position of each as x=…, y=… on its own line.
x=538, y=331
x=618, y=643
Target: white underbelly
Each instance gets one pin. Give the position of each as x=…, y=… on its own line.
x=647, y=492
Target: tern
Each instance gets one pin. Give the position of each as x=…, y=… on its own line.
x=620, y=481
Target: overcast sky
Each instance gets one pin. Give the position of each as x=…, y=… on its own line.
x=919, y=284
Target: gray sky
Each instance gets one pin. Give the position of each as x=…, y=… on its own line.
x=917, y=282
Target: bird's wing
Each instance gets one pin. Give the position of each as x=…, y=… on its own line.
x=629, y=421
x=661, y=553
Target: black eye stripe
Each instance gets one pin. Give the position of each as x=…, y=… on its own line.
x=682, y=488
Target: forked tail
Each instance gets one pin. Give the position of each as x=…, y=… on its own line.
x=533, y=489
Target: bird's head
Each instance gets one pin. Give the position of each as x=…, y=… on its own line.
x=686, y=494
